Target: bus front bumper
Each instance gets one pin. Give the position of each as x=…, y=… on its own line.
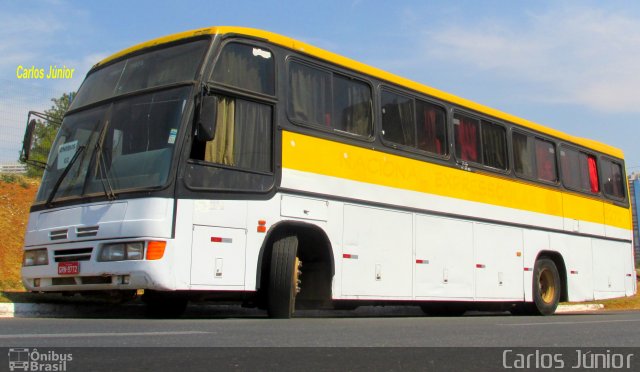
x=92, y=275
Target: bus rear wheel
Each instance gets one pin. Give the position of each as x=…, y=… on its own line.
x=546, y=287
x=283, y=278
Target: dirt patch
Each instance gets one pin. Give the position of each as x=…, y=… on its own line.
x=16, y=196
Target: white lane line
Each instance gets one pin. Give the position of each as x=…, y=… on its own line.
x=109, y=334
x=559, y=323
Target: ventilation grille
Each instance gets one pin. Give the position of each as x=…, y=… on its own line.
x=79, y=254
x=83, y=232
x=58, y=234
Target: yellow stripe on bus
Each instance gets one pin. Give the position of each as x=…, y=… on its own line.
x=315, y=155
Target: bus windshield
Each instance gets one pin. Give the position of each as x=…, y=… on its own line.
x=126, y=143
x=156, y=68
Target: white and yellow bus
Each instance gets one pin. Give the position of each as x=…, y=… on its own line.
x=235, y=164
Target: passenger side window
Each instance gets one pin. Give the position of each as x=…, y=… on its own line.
x=494, y=145
x=612, y=179
x=480, y=141
x=242, y=136
x=398, y=120
x=546, y=160
x=534, y=158
x=352, y=106
x=467, y=137
x=432, y=134
x=413, y=123
x=579, y=170
x=522, y=155
x=330, y=101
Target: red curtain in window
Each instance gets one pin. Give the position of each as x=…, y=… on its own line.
x=593, y=174
x=430, y=141
x=468, y=135
x=545, y=163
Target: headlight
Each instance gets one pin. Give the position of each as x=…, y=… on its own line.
x=35, y=257
x=122, y=251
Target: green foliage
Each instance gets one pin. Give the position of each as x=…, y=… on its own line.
x=45, y=132
x=14, y=178
x=8, y=178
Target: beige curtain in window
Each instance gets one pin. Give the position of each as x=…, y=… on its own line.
x=309, y=95
x=220, y=149
x=357, y=115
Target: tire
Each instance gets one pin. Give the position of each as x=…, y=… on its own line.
x=283, y=278
x=546, y=287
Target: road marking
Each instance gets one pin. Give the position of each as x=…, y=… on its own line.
x=110, y=334
x=587, y=322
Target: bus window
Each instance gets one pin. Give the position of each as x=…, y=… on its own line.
x=325, y=100
x=310, y=95
x=570, y=163
x=612, y=179
x=352, y=106
x=546, y=160
x=431, y=130
x=579, y=170
x=522, y=155
x=242, y=138
x=466, y=132
x=246, y=67
x=398, y=121
x=494, y=145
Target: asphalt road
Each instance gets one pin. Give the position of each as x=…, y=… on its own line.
x=365, y=327
x=368, y=339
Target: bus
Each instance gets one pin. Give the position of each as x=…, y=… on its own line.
x=234, y=164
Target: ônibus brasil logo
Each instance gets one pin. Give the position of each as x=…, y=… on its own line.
x=25, y=359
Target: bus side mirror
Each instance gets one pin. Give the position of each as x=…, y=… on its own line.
x=28, y=140
x=206, y=128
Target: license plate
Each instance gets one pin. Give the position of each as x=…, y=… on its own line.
x=68, y=268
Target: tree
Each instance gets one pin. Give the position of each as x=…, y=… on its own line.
x=44, y=133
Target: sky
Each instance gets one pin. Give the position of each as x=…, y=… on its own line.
x=572, y=65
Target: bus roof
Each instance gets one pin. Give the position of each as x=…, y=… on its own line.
x=380, y=74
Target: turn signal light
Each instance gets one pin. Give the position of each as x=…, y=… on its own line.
x=155, y=250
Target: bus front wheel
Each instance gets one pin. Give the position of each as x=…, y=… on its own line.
x=283, y=278
x=546, y=287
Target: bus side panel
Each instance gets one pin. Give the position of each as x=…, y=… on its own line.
x=609, y=268
x=444, y=259
x=577, y=254
x=617, y=222
x=218, y=234
x=218, y=256
x=183, y=236
x=377, y=253
x=498, y=262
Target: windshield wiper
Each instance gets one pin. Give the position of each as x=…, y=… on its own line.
x=66, y=170
x=104, y=173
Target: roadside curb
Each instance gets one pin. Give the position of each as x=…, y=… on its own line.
x=33, y=310
x=579, y=308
